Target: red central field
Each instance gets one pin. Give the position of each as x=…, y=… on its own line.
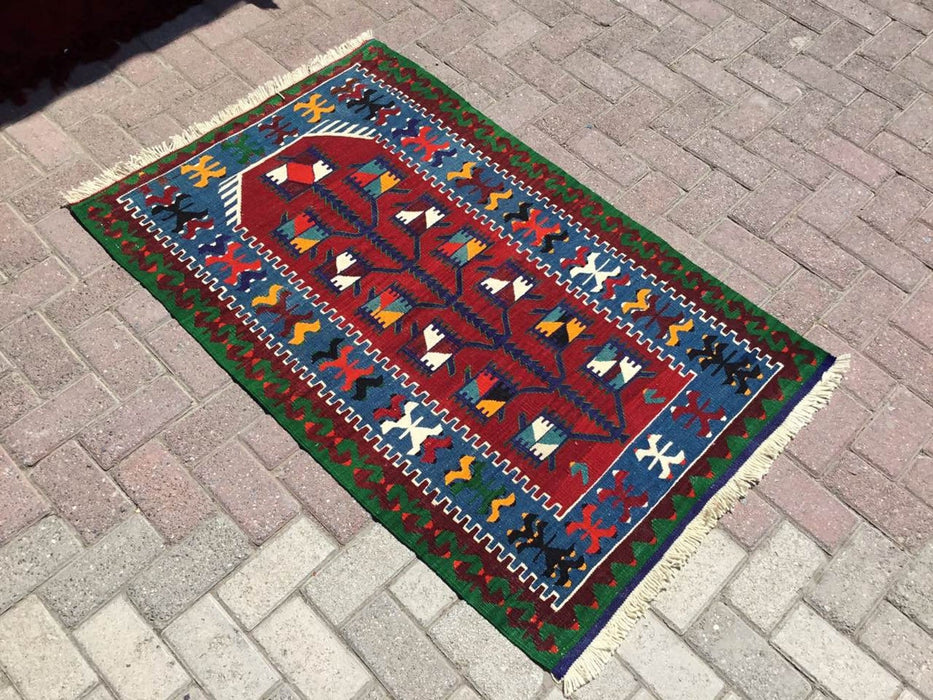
x=535, y=373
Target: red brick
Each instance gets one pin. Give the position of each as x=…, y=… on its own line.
x=920, y=478
x=142, y=311
x=41, y=430
x=650, y=197
x=454, y=34
x=609, y=44
x=120, y=360
x=707, y=203
x=653, y=74
x=895, y=204
x=20, y=504
x=192, y=60
x=834, y=203
x=674, y=39
x=766, y=78
x=16, y=397
x=547, y=77
x=163, y=490
x=913, y=124
x=45, y=195
x=837, y=43
x=43, y=140
x=135, y=421
x=891, y=507
x=905, y=359
x=728, y=39
x=206, y=427
x=918, y=239
x=832, y=429
x=189, y=361
x=633, y=112
x=41, y=354
x=269, y=440
x=491, y=73
x=568, y=34
x=253, y=497
x=791, y=158
x=750, y=520
x=684, y=169
x=749, y=116
x=893, y=437
x=31, y=287
x=880, y=253
x=860, y=121
x=21, y=247
x=782, y=43
x=74, y=244
x=851, y=159
x=323, y=497
x=808, y=504
x=706, y=11
x=866, y=305
x=83, y=494
x=770, y=203
x=807, y=13
x=601, y=152
x=865, y=380
x=906, y=157
x=916, y=316
x=751, y=252
x=711, y=77
x=892, y=44
x=880, y=81
x=807, y=117
x=683, y=120
x=801, y=300
x=89, y=296
x=562, y=122
x=252, y=63
x=758, y=13
x=818, y=253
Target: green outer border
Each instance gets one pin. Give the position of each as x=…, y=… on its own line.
x=392, y=519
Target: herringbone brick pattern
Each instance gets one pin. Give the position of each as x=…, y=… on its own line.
x=160, y=537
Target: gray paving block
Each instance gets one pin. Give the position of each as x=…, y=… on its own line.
x=38, y=656
x=745, y=657
x=31, y=558
x=912, y=592
x=493, y=664
x=349, y=578
x=128, y=653
x=399, y=653
x=93, y=579
x=188, y=569
x=902, y=645
x=856, y=578
x=296, y=640
x=224, y=660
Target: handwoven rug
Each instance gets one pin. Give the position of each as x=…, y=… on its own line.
x=542, y=399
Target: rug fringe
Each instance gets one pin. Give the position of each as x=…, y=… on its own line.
x=149, y=155
x=598, y=653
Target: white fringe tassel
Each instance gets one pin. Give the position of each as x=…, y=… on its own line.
x=196, y=131
x=601, y=649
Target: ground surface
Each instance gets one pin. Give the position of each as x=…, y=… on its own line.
x=160, y=537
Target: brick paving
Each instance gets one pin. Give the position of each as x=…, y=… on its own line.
x=161, y=538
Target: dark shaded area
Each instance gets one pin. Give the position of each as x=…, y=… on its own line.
x=48, y=39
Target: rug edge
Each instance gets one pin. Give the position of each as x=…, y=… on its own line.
x=256, y=97
x=598, y=653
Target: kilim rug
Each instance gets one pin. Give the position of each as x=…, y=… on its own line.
x=542, y=399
